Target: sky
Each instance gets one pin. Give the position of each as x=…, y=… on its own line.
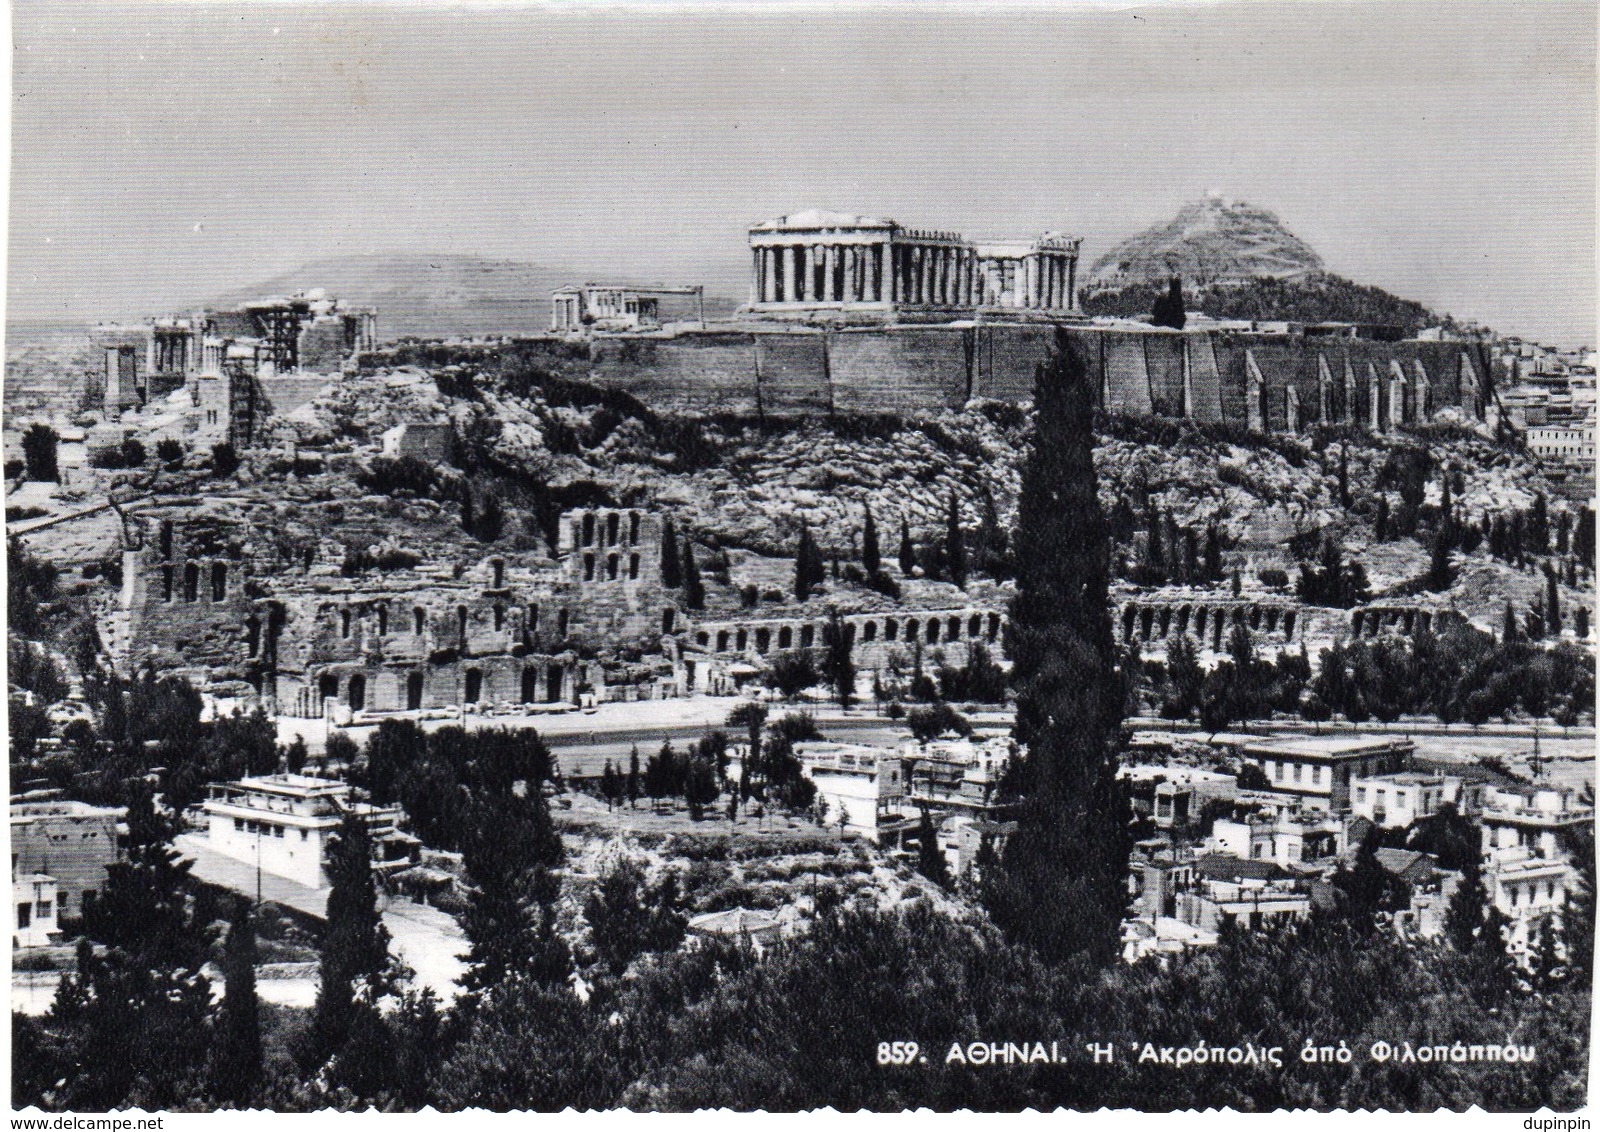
x=166, y=152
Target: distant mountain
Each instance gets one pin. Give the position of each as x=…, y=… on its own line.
x=434, y=296
x=1312, y=298
x=1210, y=241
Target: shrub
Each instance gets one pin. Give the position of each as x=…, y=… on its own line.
x=169, y=451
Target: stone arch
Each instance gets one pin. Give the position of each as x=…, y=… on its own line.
x=763, y=638
x=1166, y=621
x=344, y=622
x=1147, y=618
x=785, y=637
x=497, y=568
x=952, y=629
x=808, y=636
x=1272, y=619
x=722, y=640
x=742, y=640
x=356, y=692
x=994, y=626
x=869, y=631
x=419, y=620
x=613, y=521
x=1288, y=624
x=252, y=634
x=587, y=538
x=1184, y=613
x=933, y=631
x=413, y=691
x=891, y=628
x=328, y=686
x=472, y=690
x=633, y=528
x=1355, y=623
x=588, y=567
x=191, y=582
x=975, y=625
x=1200, y=623
x=554, y=683
x=219, y=581
x=613, y=567
x=1129, y=613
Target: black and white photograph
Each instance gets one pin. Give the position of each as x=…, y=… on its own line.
x=776, y=557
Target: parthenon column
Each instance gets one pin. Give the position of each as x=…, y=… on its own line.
x=1030, y=281
x=769, y=274
x=875, y=256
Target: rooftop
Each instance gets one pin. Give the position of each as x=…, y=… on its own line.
x=1328, y=747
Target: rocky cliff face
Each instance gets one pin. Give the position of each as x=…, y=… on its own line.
x=1209, y=241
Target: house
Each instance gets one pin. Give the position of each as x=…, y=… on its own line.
x=282, y=824
x=71, y=842
x=1395, y=801
x=1531, y=817
x=1287, y=839
x=1317, y=770
x=33, y=895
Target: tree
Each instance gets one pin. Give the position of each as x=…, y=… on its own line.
x=1252, y=777
x=1062, y=886
x=908, y=551
x=1185, y=678
x=930, y=858
x=139, y=1013
x=628, y=917
x=1475, y=928
x=1441, y=573
x=694, y=590
x=955, y=546
x=609, y=787
x=635, y=785
x=1367, y=889
x=791, y=673
x=808, y=568
x=699, y=785
x=511, y=853
x=355, y=944
x=224, y=460
x=1380, y=521
x=1552, y=600
x=39, y=445
x=236, y=1057
x=928, y=723
x=1212, y=555
x=871, y=559
x=837, y=647
x=671, y=567
x=751, y=717
x=169, y=451
x=1169, y=307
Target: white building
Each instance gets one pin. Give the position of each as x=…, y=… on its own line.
x=1534, y=818
x=1395, y=801
x=1317, y=770
x=282, y=823
x=1527, y=888
x=1286, y=839
x=33, y=895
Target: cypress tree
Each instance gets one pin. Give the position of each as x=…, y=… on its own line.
x=836, y=645
x=236, y=1065
x=1441, y=574
x=1213, y=553
x=694, y=590
x=1380, y=522
x=608, y=785
x=930, y=859
x=1062, y=884
x=908, y=552
x=955, y=544
x=1552, y=600
x=808, y=568
x=671, y=569
x=355, y=944
x=871, y=561
x=635, y=784
x=1508, y=626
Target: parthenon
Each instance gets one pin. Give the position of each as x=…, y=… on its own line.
x=820, y=261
